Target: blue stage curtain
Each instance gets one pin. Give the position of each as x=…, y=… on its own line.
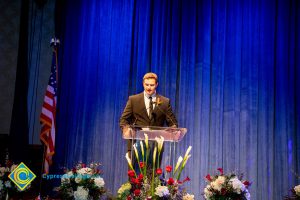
x=230, y=68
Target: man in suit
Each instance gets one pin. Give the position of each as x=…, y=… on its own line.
x=147, y=108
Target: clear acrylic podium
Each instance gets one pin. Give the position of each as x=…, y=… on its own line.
x=171, y=135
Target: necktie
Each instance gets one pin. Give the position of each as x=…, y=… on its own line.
x=150, y=107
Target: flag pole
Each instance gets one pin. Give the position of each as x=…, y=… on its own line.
x=54, y=44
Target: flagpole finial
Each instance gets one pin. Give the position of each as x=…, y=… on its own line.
x=54, y=42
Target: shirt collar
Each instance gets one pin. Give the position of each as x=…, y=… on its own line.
x=153, y=95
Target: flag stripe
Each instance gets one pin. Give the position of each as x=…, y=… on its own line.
x=47, y=117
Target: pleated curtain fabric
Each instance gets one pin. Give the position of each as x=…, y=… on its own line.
x=230, y=69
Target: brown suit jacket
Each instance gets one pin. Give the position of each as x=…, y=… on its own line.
x=135, y=112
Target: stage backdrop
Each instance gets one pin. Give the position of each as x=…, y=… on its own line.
x=230, y=68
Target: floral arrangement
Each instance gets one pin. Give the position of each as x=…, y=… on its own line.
x=230, y=186
x=7, y=187
x=295, y=194
x=82, y=182
x=151, y=182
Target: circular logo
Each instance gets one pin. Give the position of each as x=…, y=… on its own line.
x=21, y=176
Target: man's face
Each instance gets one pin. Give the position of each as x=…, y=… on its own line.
x=150, y=86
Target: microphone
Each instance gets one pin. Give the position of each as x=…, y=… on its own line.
x=133, y=124
x=157, y=103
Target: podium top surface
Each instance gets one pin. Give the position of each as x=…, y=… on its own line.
x=168, y=133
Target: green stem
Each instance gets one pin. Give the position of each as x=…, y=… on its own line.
x=179, y=173
x=158, y=160
x=152, y=181
x=145, y=169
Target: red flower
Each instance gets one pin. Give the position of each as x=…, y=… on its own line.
x=186, y=179
x=9, y=163
x=140, y=177
x=246, y=183
x=135, y=181
x=74, y=170
x=159, y=171
x=131, y=173
x=142, y=164
x=168, y=168
x=220, y=170
x=129, y=198
x=83, y=165
x=223, y=191
x=208, y=177
x=137, y=192
x=170, y=181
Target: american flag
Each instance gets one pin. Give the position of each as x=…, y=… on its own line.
x=47, y=117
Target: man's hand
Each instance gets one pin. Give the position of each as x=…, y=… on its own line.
x=128, y=133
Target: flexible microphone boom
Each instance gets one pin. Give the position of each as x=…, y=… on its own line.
x=170, y=118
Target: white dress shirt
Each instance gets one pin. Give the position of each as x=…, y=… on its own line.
x=147, y=101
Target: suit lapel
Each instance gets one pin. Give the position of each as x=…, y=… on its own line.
x=142, y=105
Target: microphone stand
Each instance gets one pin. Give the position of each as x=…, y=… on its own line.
x=170, y=118
x=172, y=161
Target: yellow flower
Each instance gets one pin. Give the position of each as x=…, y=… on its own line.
x=124, y=187
x=185, y=160
x=136, y=152
x=146, y=140
x=160, y=142
x=154, y=156
x=142, y=148
x=158, y=101
x=129, y=160
x=188, y=151
x=186, y=156
x=188, y=197
x=178, y=163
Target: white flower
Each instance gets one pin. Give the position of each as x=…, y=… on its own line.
x=188, y=197
x=217, y=184
x=207, y=192
x=247, y=194
x=154, y=156
x=7, y=169
x=99, y=182
x=178, y=163
x=188, y=151
x=70, y=174
x=142, y=148
x=162, y=191
x=78, y=178
x=160, y=143
x=297, y=190
x=129, y=160
x=237, y=185
x=7, y=184
x=2, y=171
x=65, y=179
x=124, y=187
x=13, y=167
x=85, y=170
x=136, y=152
x=81, y=193
x=146, y=141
